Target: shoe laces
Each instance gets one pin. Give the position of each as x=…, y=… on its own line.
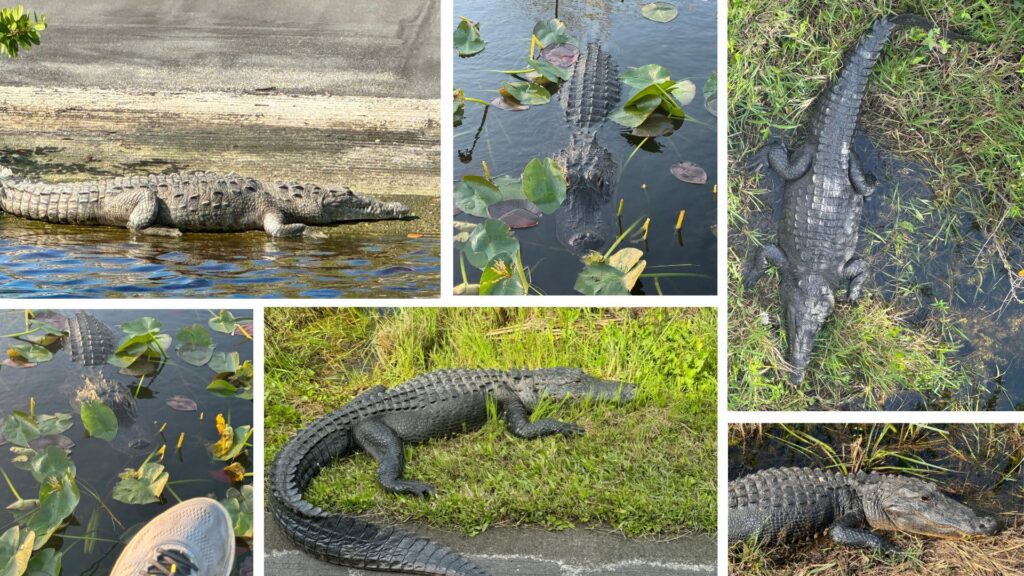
x=170, y=561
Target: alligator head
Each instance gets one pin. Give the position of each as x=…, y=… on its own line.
x=590, y=173
x=323, y=206
x=806, y=304
x=571, y=383
x=902, y=503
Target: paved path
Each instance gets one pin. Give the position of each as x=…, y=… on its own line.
x=530, y=552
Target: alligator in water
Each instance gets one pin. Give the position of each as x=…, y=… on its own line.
x=380, y=421
x=587, y=98
x=824, y=194
x=169, y=204
x=790, y=505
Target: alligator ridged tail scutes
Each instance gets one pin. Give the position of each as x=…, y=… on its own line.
x=90, y=342
x=592, y=92
x=169, y=204
x=379, y=421
x=824, y=193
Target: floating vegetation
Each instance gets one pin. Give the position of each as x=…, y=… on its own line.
x=467, y=38
x=651, y=89
x=689, y=172
x=659, y=11
x=49, y=487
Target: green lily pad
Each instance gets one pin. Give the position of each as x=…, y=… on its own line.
x=226, y=451
x=467, y=38
x=224, y=362
x=142, y=486
x=99, y=420
x=46, y=563
x=644, y=76
x=239, y=504
x=223, y=322
x=600, y=279
x=52, y=462
x=33, y=353
x=221, y=387
x=20, y=429
x=15, y=551
x=148, y=345
x=526, y=92
x=51, y=424
x=553, y=31
x=659, y=11
x=488, y=240
x=474, y=194
x=57, y=500
x=684, y=91
x=544, y=184
x=550, y=71
x=501, y=278
x=654, y=126
x=144, y=325
x=195, y=345
x=636, y=113
x=458, y=106
x=710, y=92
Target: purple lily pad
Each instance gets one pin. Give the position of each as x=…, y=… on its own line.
x=561, y=55
x=51, y=318
x=242, y=329
x=516, y=213
x=508, y=104
x=17, y=362
x=182, y=404
x=689, y=172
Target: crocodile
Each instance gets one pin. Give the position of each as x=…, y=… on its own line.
x=824, y=193
x=587, y=98
x=781, y=506
x=169, y=204
x=380, y=421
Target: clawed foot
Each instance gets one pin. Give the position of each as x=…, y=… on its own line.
x=313, y=233
x=414, y=487
x=571, y=430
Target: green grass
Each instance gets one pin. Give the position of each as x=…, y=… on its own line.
x=961, y=113
x=647, y=468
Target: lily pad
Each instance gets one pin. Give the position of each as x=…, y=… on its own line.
x=501, y=278
x=182, y=404
x=49, y=321
x=508, y=104
x=644, y=76
x=630, y=262
x=458, y=107
x=20, y=429
x=467, y=38
x=59, y=440
x=487, y=241
x=561, y=55
x=57, y=500
x=544, y=184
x=234, y=472
x=654, y=126
x=689, y=172
x=46, y=563
x=239, y=504
x=223, y=322
x=195, y=345
x=550, y=71
x=232, y=440
x=140, y=326
x=526, y=92
x=99, y=420
x=224, y=362
x=56, y=423
x=553, y=31
x=684, y=91
x=517, y=214
x=474, y=194
x=142, y=486
x=711, y=94
x=32, y=353
x=600, y=279
x=462, y=230
x=15, y=551
x=52, y=462
x=659, y=11
x=636, y=112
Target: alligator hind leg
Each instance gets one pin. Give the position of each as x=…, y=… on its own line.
x=788, y=168
x=758, y=263
x=519, y=424
x=856, y=272
x=857, y=178
x=384, y=444
x=144, y=214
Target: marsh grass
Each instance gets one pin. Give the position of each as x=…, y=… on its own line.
x=981, y=463
x=647, y=468
x=960, y=113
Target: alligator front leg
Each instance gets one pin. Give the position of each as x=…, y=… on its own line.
x=789, y=169
x=519, y=424
x=857, y=178
x=273, y=223
x=384, y=444
x=758, y=263
x=855, y=272
x=847, y=533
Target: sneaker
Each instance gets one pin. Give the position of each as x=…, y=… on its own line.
x=193, y=538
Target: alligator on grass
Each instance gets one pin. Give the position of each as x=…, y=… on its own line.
x=824, y=195
x=782, y=506
x=587, y=98
x=380, y=421
x=169, y=204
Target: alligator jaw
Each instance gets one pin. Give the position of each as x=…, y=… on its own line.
x=363, y=208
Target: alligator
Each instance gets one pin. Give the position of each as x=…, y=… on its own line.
x=89, y=341
x=380, y=421
x=824, y=193
x=169, y=204
x=587, y=98
x=781, y=506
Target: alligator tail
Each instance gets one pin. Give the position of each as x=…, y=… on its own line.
x=341, y=539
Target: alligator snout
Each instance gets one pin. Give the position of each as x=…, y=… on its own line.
x=586, y=242
x=987, y=525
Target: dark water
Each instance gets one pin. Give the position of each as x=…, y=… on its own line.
x=98, y=462
x=932, y=259
x=508, y=140
x=990, y=483
x=363, y=260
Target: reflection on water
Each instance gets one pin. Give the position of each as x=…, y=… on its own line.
x=193, y=472
x=506, y=141
x=45, y=260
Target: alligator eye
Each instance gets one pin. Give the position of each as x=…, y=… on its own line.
x=925, y=498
